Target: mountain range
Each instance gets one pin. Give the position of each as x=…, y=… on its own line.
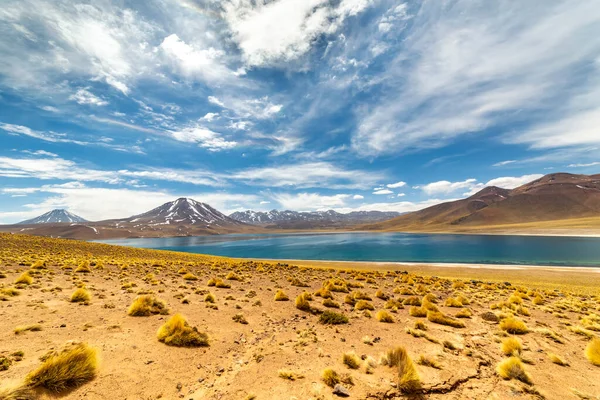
x=551, y=202
x=561, y=203
x=309, y=220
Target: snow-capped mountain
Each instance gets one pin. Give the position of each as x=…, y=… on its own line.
x=54, y=217
x=183, y=211
x=329, y=216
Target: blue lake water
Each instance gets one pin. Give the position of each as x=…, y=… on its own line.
x=390, y=247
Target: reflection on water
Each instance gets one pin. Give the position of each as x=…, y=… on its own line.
x=484, y=249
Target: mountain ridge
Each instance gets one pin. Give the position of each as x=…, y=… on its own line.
x=55, y=216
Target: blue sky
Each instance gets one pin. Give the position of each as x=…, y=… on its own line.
x=110, y=108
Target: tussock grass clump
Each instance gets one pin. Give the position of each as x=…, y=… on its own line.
x=210, y=298
x=556, y=359
x=439, y=318
x=351, y=360
x=289, y=375
x=511, y=347
x=420, y=325
x=514, y=326
x=363, y=305
x=144, y=306
x=24, y=279
x=464, y=313
x=592, y=352
x=332, y=318
x=17, y=393
x=69, y=369
x=221, y=284
x=81, y=296
x=27, y=328
x=418, y=312
x=302, y=301
x=512, y=368
x=330, y=377
x=428, y=362
x=240, y=319
x=408, y=377
x=412, y=301
x=177, y=332
x=190, y=277
x=281, y=296
x=330, y=303
x=384, y=316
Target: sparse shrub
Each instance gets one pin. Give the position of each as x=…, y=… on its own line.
x=439, y=318
x=289, y=375
x=240, y=319
x=332, y=318
x=69, y=369
x=144, y=306
x=428, y=362
x=592, y=352
x=177, y=332
x=80, y=296
x=511, y=347
x=513, y=326
x=330, y=377
x=351, y=360
x=281, y=296
x=512, y=368
x=384, y=316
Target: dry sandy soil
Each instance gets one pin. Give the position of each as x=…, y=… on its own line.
x=244, y=361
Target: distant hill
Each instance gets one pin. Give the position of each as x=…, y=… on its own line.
x=54, y=217
x=554, y=197
x=306, y=220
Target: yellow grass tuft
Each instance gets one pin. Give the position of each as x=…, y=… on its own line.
x=511, y=347
x=17, y=393
x=330, y=377
x=592, y=351
x=25, y=328
x=418, y=312
x=144, y=306
x=289, y=375
x=190, y=277
x=177, y=332
x=514, y=326
x=384, y=316
x=302, y=301
x=408, y=377
x=556, y=359
x=351, y=360
x=80, y=296
x=210, y=298
x=363, y=305
x=512, y=368
x=281, y=296
x=428, y=362
x=24, y=279
x=439, y=318
x=69, y=369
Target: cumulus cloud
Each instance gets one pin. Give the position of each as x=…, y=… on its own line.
x=84, y=96
x=382, y=191
x=396, y=185
x=204, y=137
x=309, y=201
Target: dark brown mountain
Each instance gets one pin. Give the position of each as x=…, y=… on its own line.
x=554, y=197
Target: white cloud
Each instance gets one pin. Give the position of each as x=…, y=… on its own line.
x=592, y=164
x=466, y=68
x=511, y=182
x=396, y=185
x=279, y=31
x=209, y=116
x=503, y=163
x=400, y=195
x=446, y=187
x=309, y=201
x=358, y=197
x=204, y=137
x=307, y=175
x=383, y=191
x=265, y=202
x=84, y=96
x=214, y=100
x=105, y=203
x=194, y=62
x=401, y=207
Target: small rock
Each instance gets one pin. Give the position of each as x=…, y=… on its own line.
x=341, y=391
x=63, y=325
x=179, y=386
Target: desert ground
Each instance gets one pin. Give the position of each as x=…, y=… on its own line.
x=93, y=321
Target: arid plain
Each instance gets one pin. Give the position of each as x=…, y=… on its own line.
x=113, y=322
